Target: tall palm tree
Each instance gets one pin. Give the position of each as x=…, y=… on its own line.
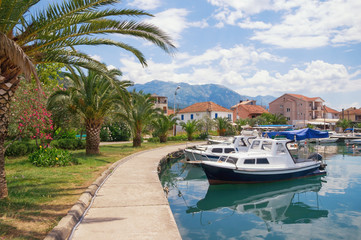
x=138, y=114
x=51, y=35
x=93, y=97
x=162, y=124
x=190, y=127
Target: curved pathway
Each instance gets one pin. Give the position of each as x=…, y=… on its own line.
x=131, y=203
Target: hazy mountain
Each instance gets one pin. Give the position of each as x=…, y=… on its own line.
x=190, y=94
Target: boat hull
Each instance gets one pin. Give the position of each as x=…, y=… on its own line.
x=219, y=175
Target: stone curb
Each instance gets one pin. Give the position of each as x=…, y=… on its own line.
x=65, y=226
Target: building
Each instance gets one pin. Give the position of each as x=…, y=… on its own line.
x=331, y=113
x=247, y=109
x=353, y=114
x=160, y=102
x=199, y=110
x=298, y=109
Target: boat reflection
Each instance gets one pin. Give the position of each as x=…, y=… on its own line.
x=274, y=202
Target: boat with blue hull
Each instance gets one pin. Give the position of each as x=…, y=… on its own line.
x=267, y=160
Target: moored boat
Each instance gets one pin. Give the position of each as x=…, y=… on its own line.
x=213, y=152
x=267, y=160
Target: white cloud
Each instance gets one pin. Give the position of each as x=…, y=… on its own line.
x=301, y=24
x=172, y=21
x=146, y=4
x=96, y=57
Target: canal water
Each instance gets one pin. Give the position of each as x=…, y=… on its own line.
x=327, y=207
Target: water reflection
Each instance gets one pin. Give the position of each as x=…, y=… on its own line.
x=275, y=202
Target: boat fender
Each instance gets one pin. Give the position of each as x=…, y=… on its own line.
x=315, y=156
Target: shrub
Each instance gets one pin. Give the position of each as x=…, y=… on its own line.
x=178, y=138
x=114, y=132
x=20, y=149
x=154, y=139
x=50, y=157
x=70, y=144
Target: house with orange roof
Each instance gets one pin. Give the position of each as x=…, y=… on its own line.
x=331, y=113
x=247, y=109
x=298, y=109
x=353, y=114
x=160, y=102
x=198, y=110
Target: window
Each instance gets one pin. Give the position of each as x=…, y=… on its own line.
x=288, y=118
x=182, y=117
x=229, y=150
x=249, y=161
x=262, y=161
x=280, y=149
x=216, y=115
x=191, y=116
x=232, y=160
x=288, y=110
x=229, y=116
x=217, y=150
x=281, y=106
x=266, y=146
x=255, y=144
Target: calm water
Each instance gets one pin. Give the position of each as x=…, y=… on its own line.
x=327, y=207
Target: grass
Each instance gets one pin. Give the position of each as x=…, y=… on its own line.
x=40, y=196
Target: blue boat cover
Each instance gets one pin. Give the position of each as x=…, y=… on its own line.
x=298, y=134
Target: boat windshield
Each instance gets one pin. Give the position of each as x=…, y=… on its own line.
x=263, y=145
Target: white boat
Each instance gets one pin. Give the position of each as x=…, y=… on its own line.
x=354, y=141
x=327, y=140
x=266, y=160
x=213, y=152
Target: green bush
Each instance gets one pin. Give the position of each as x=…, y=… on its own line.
x=154, y=139
x=65, y=134
x=114, y=132
x=178, y=138
x=70, y=144
x=51, y=157
x=20, y=149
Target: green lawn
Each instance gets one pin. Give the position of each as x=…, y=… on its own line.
x=39, y=197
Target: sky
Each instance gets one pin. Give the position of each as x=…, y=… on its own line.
x=254, y=47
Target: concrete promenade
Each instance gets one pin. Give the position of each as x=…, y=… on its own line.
x=131, y=203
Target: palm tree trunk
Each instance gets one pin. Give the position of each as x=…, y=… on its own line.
x=8, y=86
x=92, y=135
x=137, y=139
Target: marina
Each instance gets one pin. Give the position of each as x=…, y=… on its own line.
x=320, y=207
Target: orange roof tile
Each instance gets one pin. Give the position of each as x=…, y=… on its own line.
x=254, y=109
x=304, y=97
x=330, y=110
x=204, y=107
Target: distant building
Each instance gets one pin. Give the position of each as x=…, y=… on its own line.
x=247, y=109
x=199, y=110
x=160, y=102
x=353, y=114
x=330, y=113
x=298, y=109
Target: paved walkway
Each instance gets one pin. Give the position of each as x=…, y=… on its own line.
x=131, y=203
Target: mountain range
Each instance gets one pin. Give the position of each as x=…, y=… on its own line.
x=190, y=94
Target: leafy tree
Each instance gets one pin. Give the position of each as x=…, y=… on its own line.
x=190, y=127
x=51, y=35
x=241, y=122
x=138, y=114
x=162, y=124
x=206, y=124
x=92, y=97
x=223, y=124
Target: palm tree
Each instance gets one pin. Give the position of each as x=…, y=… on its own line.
x=138, y=114
x=162, y=124
x=190, y=127
x=223, y=125
x=51, y=35
x=92, y=97
x=344, y=123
